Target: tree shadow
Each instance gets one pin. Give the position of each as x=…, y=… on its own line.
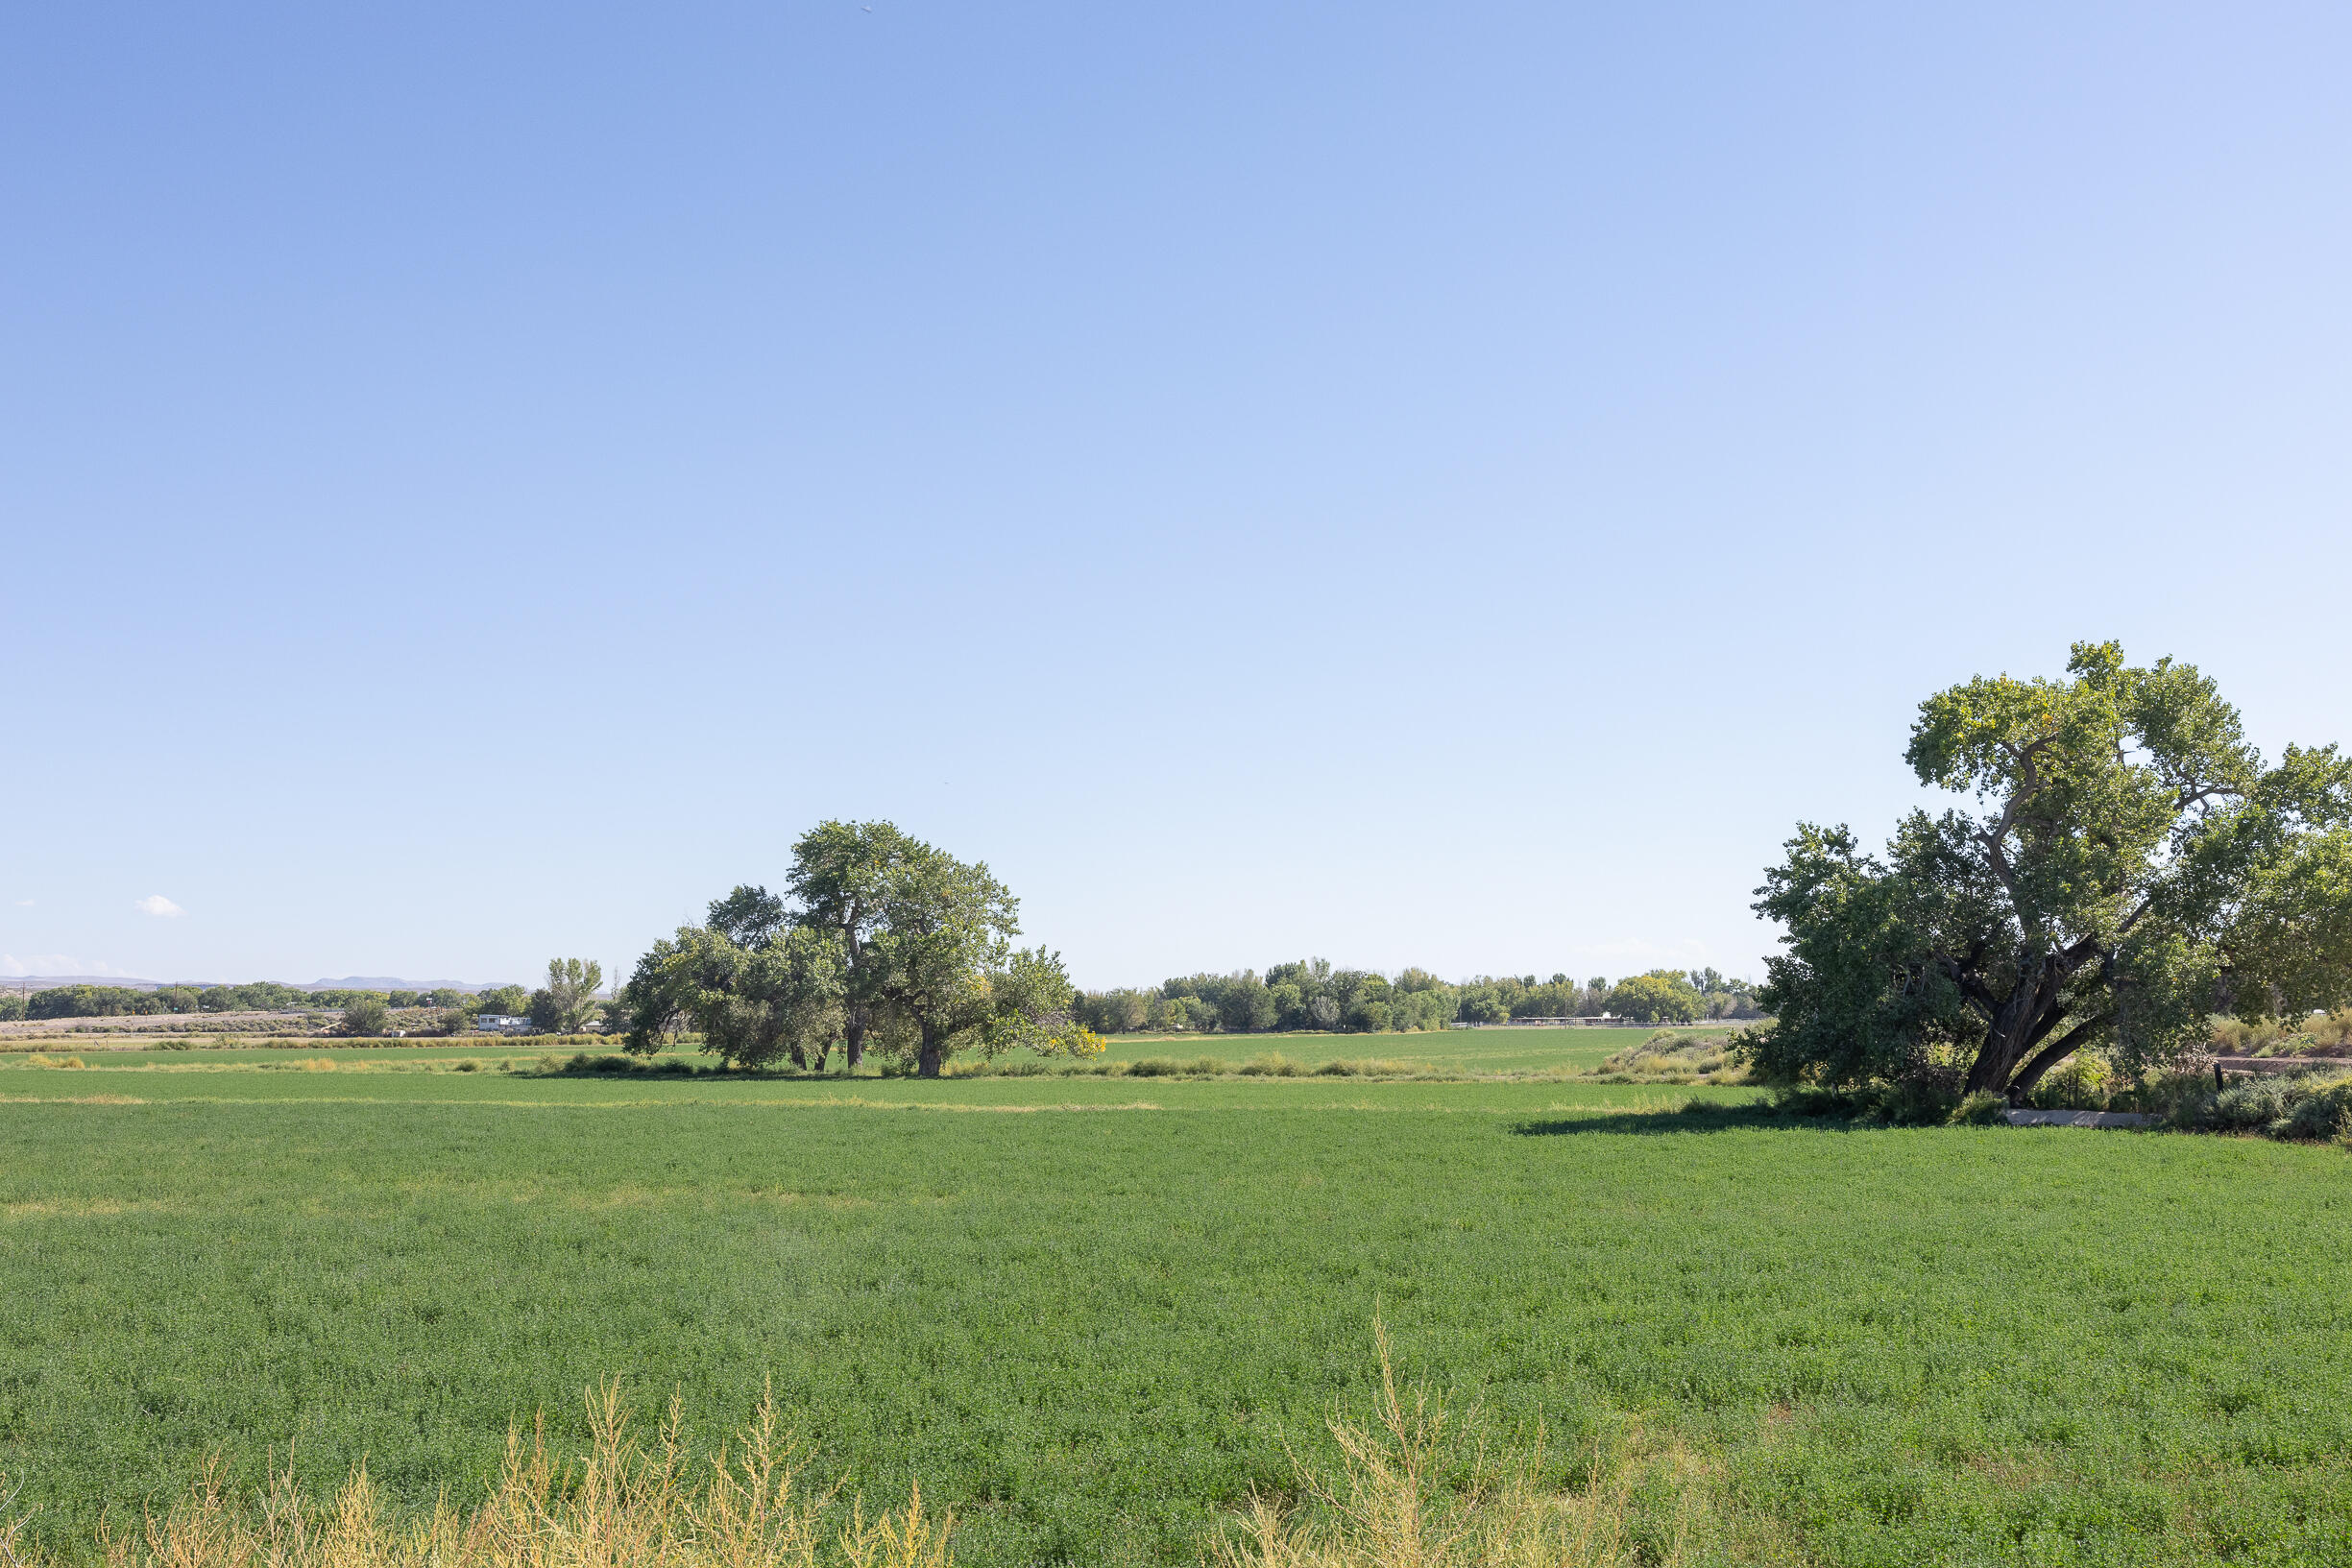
x=611, y=1065
x=1697, y=1116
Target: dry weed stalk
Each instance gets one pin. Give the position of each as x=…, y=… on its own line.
x=1414, y=1489
x=1389, y=1506
x=11, y=1527
x=625, y=1505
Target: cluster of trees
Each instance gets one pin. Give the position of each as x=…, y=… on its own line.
x=567, y=1005
x=881, y=942
x=1309, y=994
x=1656, y=996
x=2134, y=867
x=258, y=996
x=1312, y=994
x=124, y=1001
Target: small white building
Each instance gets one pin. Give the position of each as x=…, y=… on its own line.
x=501, y=1022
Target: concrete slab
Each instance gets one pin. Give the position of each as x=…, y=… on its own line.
x=2078, y=1119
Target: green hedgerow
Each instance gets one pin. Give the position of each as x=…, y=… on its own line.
x=1982, y=1109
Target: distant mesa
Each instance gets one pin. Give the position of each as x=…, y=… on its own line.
x=42, y=982
x=387, y=982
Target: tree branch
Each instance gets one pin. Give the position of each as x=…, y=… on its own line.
x=2056, y=1051
x=2078, y=953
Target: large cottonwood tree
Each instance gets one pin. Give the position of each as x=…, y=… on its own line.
x=842, y=879
x=754, y=988
x=882, y=936
x=2132, y=866
x=940, y=959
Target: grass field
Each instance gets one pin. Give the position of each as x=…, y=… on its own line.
x=1450, y=1050
x=1462, y=1050
x=1092, y=1314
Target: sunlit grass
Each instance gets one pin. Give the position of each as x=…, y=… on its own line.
x=1089, y=1309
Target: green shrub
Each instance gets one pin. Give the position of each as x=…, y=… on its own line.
x=1921, y=1101
x=1336, y=1069
x=2082, y=1083
x=583, y=1062
x=1271, y=1064
x=2178, y=1099
x=2302, y=1105
x=1024, y=1067
x=2251, y=1106
x=1676, y=1056
x=1982, y=1109
x=1156, y=1066
x=2323, y=1113
x=1210, y=1067
x=365, y=1017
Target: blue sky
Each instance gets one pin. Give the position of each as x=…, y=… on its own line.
x=1413, y=484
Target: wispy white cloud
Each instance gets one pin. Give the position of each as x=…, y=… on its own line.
x=24, y=904
x=156, y=905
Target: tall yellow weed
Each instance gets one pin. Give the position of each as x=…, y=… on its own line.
x=1391, y=1504
x=625, y=1505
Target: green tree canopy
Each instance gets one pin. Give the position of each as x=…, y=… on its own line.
x=882, y=938
x=941, y=957
x=753, y=1004
x=365, y=1015
x=1662, y=995
x=2132, y=866
x=261, y=996
x=842, y=879
x=506, y=1001
x=91, y=1002
x=568, y=1002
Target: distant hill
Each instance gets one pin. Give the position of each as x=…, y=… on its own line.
x=386, y=982
x=42, y=982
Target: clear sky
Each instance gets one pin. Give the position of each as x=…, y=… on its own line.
x=1415, y=484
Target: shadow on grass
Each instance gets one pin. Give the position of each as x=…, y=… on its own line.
x=609, y=1065
x=1697, y=1116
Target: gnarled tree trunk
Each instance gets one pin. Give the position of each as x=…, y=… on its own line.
x=2019, y=1047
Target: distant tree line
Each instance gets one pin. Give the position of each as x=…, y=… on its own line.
x=1310, y=994
x=732, y=980
x=556, y=1004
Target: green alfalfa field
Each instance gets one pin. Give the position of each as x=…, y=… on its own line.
x=1094, y=1314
